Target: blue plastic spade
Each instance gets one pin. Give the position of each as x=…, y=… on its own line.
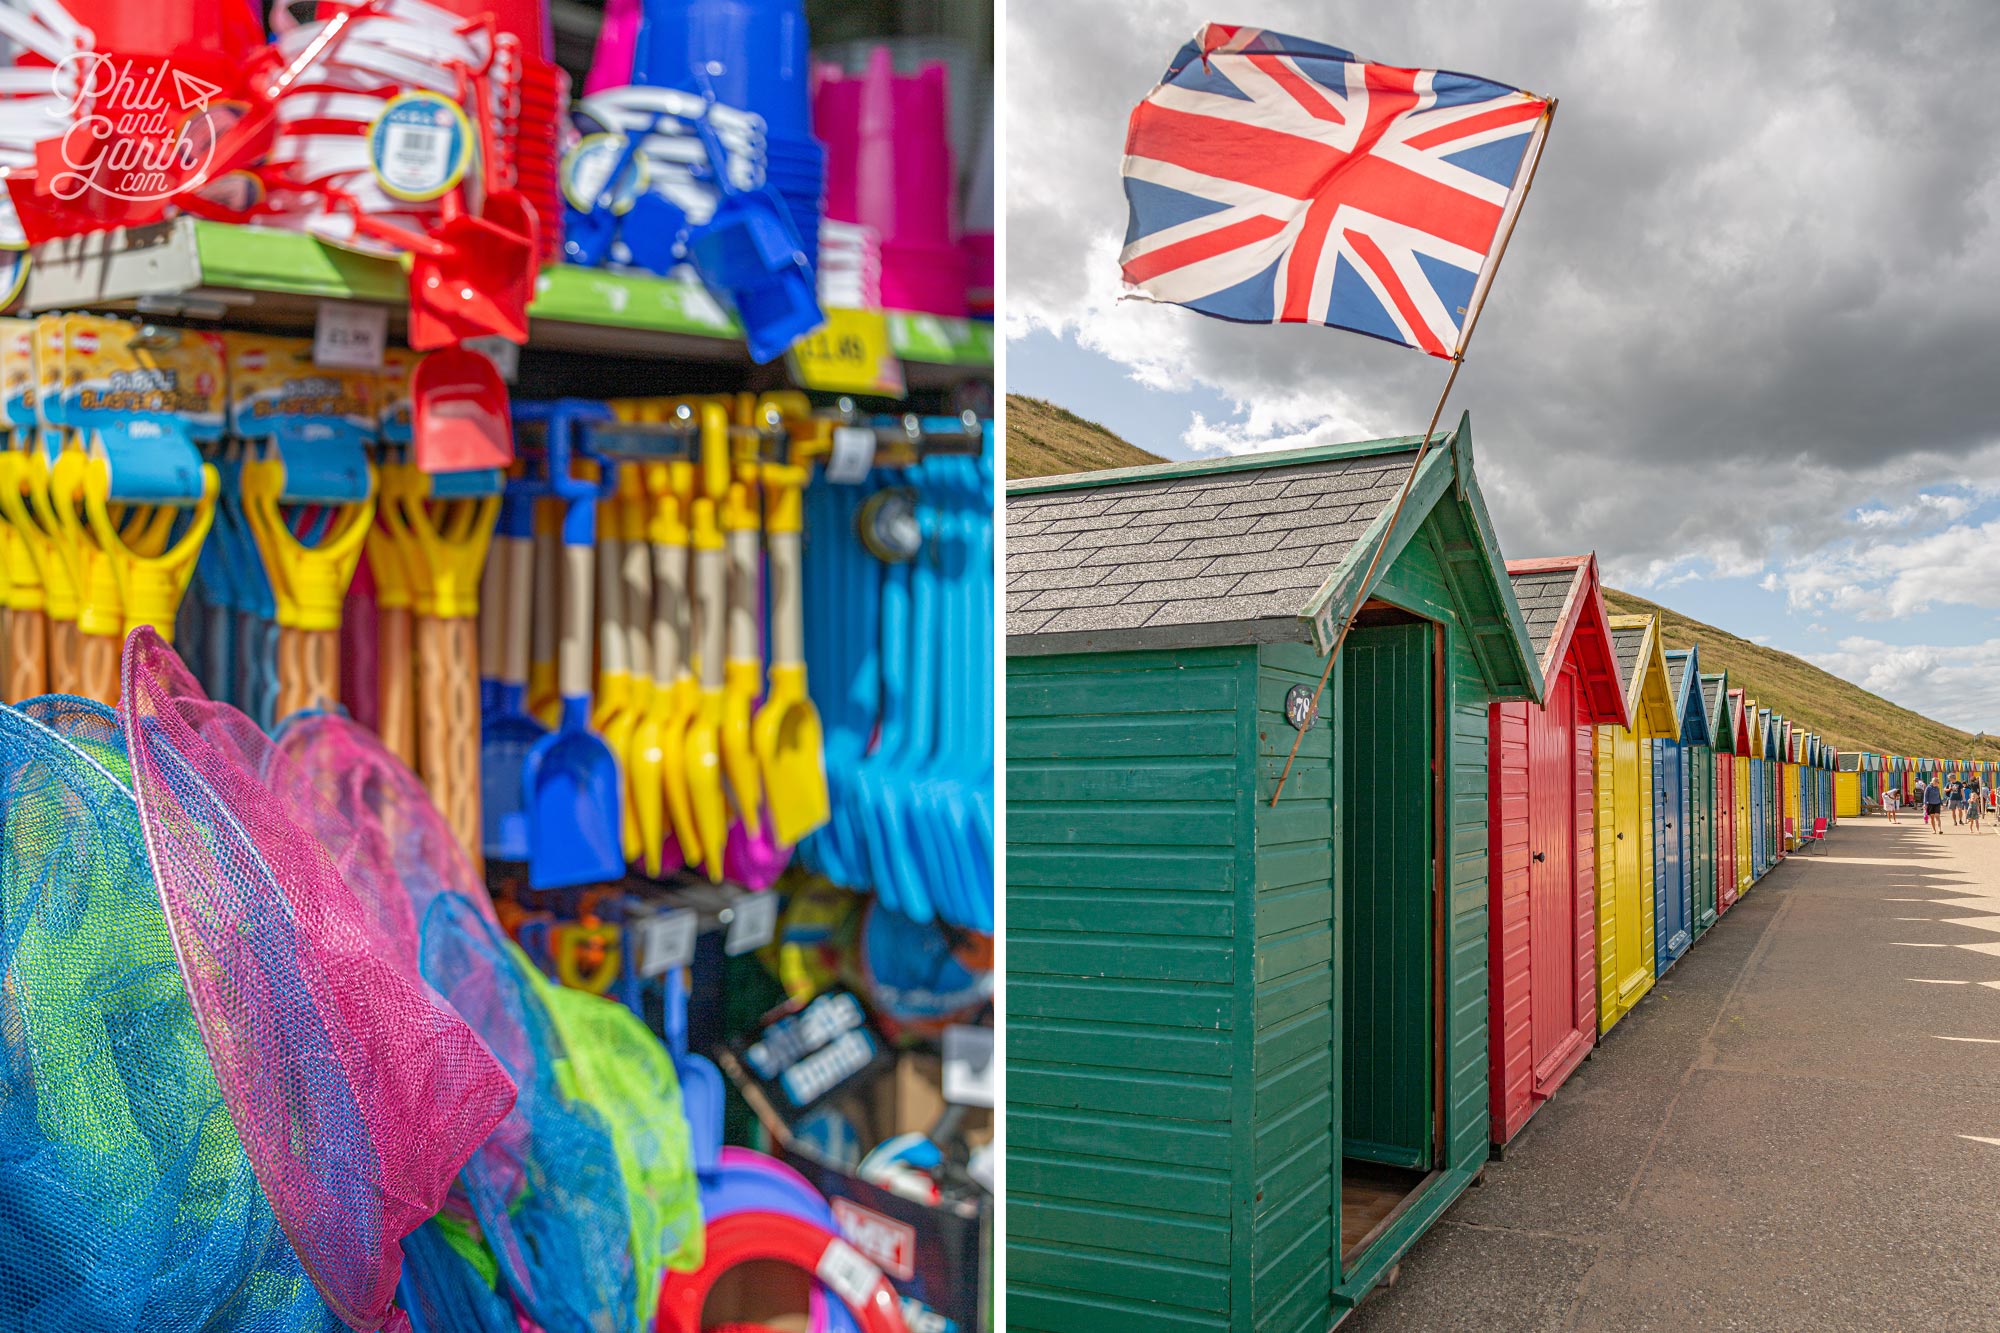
x=569, y=779
x=511, y=732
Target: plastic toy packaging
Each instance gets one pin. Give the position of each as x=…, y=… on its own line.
x=107, y=494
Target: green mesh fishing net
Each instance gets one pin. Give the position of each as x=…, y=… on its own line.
x=127, y=1202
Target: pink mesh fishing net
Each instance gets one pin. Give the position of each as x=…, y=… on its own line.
x=358, y=1094
x=544, y=1191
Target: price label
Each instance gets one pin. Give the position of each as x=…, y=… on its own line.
x=419, y=146
x=666, y=941
x=968, y=1066
x=850, y=353
x=843, y=1268
x=853, y=454
x=350, y=336
x=753, y=920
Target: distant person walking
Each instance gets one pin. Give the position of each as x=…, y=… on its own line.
x=1933, y=806
x=1954, y=798
x=1889, y=803
x=1973, y=806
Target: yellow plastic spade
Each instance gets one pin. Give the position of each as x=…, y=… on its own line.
x=634, y=626
x=659, y=777
x=444, y=546
x=701, y=751
x=21, y=546
x=645, y=786
x=100, y=619
x=309, y=583
x=786, y=732
x=614, y=673
x=743, y=677
x=395, y=651
x=61, y=577
x=152, y=577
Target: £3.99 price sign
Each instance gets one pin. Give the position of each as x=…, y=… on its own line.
x=850, y=353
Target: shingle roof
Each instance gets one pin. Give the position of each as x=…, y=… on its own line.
x=1542, y=594
x=1627, y=642
x=1206, y=549
x=1711, y=691
x=1677, y=673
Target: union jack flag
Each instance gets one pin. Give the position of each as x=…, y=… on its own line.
x=1280, y=181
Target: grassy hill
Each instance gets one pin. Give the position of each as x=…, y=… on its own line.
x=1850, y=716
x=1044, y=440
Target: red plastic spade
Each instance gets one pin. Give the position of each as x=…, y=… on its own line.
x=459, y=413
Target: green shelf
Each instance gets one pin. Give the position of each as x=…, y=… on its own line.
x=269, y=277
x=265, y=260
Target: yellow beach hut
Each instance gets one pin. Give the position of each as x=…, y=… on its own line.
x=1625, y=820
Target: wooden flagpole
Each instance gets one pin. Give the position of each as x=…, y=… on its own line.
x=1515, y=205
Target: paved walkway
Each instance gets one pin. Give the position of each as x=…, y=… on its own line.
x=1798, y=1129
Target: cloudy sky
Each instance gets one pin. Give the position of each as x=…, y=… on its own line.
x=1746, y=343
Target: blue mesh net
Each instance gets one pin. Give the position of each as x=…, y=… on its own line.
x=127, y=1201
x=546, y=1186
x=444, y=1291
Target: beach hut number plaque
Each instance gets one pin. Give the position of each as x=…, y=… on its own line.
x=1300, y=710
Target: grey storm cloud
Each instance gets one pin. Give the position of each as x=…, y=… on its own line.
x=1753, y=287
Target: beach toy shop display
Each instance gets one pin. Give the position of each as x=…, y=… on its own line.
x=499, y=811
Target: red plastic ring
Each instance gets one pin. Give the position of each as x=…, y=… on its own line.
x=743, y=1238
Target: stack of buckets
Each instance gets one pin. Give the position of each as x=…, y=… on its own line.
x=752, y=55
x=889, y=168
x=532, y=92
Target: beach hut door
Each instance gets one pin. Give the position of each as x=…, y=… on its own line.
x=1552, y=885
x=1388, y=792
x=1670, y=794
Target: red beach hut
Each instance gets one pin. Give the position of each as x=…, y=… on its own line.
x=1542, y=875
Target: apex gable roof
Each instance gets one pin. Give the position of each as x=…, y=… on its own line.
x=1742, y=717
x=1715, y=699
x=1562, y=605
x=1684, y=681
x=1648, y=695
x=1263, y=548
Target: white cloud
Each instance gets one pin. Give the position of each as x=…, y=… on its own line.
x=1882, y=578
x=1690, y=363
x=1958, y=685
x=1926, y=507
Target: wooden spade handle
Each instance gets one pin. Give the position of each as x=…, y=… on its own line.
x=395, y=711
x=291, y=674
x=448, y=733
x=742, y=595
x=65, y=658
x=788, y=620
x=522, y=579
x=99, y=660
x=573, y=648
x=493, y=577
x=27, y=655
x=670, y=620
x=322, y=668
x=308, y=669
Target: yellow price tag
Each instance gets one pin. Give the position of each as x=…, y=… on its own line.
x=850, y=353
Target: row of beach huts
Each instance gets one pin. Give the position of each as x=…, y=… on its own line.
x=1286, y=965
